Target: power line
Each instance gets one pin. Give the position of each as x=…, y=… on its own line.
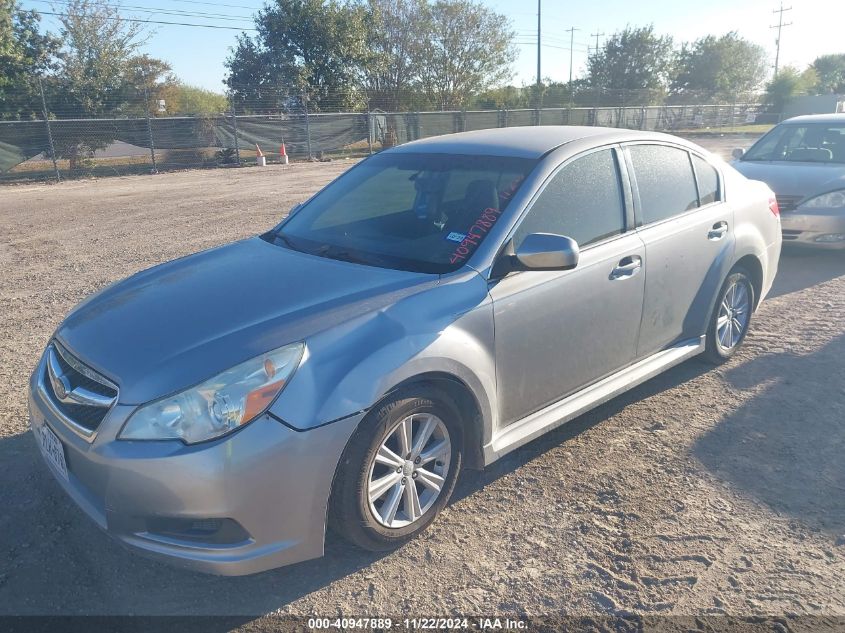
x=204, y=26
x=779, y=26
x=216, y=4
x=151, y=10
x=579, y=48
x=561, y=40
x=547, y=35
x=563, y=48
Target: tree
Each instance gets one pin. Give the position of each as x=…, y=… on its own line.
x=580, y=93
x=318, y=46
x=396, y=44
x=95, y=60
x=502, y=98
x=24, y=54
x=830, y=70
x=468, y=48
x=255, y=81
x=146, y=80
x=718, y=69
x=100, y=74
x=634, y=64
x=401, y=53
x=789, y=83
x=185, y=99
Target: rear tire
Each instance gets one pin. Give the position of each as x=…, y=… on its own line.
x=385, y=491
x=731, y=317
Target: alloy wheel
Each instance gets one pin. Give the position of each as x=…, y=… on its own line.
x=409, y=470
x=734, y=313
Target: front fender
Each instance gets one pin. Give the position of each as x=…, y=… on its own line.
x=446, y=329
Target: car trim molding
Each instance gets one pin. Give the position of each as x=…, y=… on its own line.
x=519, y=433
x=316, y=426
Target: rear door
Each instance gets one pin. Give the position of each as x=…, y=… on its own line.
x=557, y=331
x=689, y=240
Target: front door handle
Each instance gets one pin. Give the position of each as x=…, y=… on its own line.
x=627, y=267
x=718, y=231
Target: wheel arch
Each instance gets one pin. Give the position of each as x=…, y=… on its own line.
x=462, y=396
x=754, y=266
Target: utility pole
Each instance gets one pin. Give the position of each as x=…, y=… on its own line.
x=571, y=32
x=597, y=36
x=779, y=26
x=539, y=77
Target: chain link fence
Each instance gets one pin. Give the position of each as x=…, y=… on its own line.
x=57, y=146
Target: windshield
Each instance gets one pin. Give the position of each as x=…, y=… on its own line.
x=419, y=212
x=812, y=142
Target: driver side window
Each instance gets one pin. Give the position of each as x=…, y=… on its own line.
x=582, y=201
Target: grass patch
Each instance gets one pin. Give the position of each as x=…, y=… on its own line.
x=746, y=128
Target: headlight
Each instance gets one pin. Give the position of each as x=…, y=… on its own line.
x=832, y=200
x=220, y=404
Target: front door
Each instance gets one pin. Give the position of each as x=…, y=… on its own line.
x=558, y=331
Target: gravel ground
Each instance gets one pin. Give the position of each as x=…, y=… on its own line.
x=703, y=491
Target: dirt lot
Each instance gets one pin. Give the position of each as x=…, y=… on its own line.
x=703, y=491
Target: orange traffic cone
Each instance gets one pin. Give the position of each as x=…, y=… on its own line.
x=283, y=155
x=260, y=159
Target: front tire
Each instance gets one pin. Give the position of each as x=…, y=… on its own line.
x=731, y=317
x=398, y=470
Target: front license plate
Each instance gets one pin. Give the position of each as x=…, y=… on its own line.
x=52, y=448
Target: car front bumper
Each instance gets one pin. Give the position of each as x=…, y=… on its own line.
x=250, y=501
x=822, y=229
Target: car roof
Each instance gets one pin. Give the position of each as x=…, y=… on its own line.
x=524, y=142
x=817, y=118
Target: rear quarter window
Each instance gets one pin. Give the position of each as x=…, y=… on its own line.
x=708, y=181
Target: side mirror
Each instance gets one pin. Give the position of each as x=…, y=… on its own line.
x=546, y=251
x=738, y=153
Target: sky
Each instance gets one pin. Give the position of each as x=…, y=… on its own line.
x=197, y=55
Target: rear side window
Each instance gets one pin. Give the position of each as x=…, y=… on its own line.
x=665, y=181
x=708, y=181
x=582, y=201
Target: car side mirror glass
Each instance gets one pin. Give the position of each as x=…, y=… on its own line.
x=738, y=153
x=546, y=251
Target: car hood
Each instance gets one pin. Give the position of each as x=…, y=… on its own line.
x=177, y=324
x=794, y=178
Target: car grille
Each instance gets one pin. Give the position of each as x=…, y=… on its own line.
x=788, y=203
x=789, y=234
x=86, y=396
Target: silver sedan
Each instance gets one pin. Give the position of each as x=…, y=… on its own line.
x=803, y=161
x=437, y=306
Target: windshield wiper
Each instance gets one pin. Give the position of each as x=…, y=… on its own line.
x=330, y=251
x=348, y=255
x=279, y=236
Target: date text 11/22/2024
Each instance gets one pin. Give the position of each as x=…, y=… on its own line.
x=419, y=624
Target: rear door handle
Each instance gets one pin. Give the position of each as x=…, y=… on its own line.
x=627, y=267
x=718, y=231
